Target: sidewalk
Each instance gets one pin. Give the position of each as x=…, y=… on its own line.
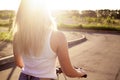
x=6, y=53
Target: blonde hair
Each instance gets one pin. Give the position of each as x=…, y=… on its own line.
x=33, y=24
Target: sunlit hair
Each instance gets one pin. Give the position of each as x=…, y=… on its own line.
x=33, y=24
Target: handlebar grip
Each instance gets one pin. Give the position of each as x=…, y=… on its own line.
x=84, y=76
x=58, y=70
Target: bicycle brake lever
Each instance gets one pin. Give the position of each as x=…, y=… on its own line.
x=58, y=70
x=84, y=76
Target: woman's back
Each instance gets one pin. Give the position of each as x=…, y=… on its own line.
x=43, y=65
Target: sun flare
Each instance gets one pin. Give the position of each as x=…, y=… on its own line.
x=65, y=4
x=53, y=4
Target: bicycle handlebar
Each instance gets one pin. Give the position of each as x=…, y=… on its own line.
x=59, y=71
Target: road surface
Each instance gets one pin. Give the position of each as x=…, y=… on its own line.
x=99, y=56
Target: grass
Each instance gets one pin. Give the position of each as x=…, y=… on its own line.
x=74, y=22
x=93, y=24
x=88, y=26
x=102, y=27
x=6, y=36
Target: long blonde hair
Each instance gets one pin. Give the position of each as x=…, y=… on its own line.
x=33, y=24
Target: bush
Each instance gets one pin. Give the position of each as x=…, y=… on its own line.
x=5, y=36
x=62, y=25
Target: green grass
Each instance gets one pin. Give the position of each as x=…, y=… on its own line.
x=88, y=26
x=102, y=27
x=5, y=36
x=90, y=23
x=69, y=25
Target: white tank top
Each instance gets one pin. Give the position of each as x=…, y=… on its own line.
x=43, y=66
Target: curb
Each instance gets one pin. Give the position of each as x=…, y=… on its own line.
x=76, y=41
x=92, y=31
x=71, y=43
x=6, y=60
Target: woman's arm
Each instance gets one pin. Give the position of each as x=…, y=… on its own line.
x=17, y=56
x=63, y=57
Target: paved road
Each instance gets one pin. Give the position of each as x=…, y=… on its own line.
x=99, y=56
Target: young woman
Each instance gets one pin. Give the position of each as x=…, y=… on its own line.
x=37, y=43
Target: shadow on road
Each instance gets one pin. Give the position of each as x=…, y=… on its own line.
x=90, y=31
x=117, y=77
x=7, y=66
x=72, y=44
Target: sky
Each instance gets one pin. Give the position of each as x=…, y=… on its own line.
x=67, y=4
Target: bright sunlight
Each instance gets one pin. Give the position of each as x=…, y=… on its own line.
x=66, y=4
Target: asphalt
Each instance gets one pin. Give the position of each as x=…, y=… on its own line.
x=6, y=54
x=97, y=56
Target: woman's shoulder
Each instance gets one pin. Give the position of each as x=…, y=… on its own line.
x=59, y=38
x=59, y=35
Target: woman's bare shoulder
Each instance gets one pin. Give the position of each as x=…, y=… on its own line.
x=60, y=38
x=57, y=39
x=59, y=35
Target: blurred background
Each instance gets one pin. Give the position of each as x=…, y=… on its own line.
x=99, y=55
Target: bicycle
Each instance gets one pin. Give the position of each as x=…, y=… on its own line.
x=59, y=71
